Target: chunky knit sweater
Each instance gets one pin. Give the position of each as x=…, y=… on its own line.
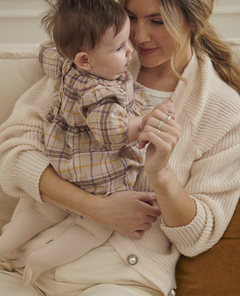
x=206, y=161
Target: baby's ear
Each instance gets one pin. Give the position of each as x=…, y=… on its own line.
x=82, y=61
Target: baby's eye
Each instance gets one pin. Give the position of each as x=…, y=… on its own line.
x=119, y=48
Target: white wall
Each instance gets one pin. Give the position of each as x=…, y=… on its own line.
x=226, y=18
x=20, y=21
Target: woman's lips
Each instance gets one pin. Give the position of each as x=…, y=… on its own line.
x=146, y=51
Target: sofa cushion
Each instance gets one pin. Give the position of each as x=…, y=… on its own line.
x=215, y=272
x=20, y=70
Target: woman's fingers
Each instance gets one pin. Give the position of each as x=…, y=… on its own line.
x=138, y=234
x=154, y=124
x=159, y=114
x=168, y=132
x=162, y=133
x=164, y=121
x=128, y=212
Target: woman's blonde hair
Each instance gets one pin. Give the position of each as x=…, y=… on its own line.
x=196, y=14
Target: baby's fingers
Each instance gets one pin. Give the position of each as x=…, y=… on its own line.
x=167, y=108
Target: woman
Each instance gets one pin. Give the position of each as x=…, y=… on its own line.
x=193, y=163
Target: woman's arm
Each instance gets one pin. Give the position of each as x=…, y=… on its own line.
x=177, y=207
x=24, y=169
x=196, y=216
x=130, y=213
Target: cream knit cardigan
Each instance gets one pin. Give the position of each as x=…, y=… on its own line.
x=206, y=161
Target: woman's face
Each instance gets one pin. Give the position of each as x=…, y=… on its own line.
x=151, y=39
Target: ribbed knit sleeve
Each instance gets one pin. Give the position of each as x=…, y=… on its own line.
x=22, y=159
x=207, y=157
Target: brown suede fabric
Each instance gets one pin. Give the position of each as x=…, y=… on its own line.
x=215, y=272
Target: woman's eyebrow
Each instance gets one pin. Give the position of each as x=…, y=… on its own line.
x=146, y=16
x=153, y=15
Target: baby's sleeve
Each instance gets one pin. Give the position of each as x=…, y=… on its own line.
x=108, y=121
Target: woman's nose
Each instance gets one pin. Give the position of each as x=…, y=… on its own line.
x=141, y=34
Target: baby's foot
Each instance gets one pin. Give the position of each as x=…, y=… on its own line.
x=27, y=277
x=34, y=267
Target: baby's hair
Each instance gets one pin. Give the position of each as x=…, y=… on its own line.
x=78, y=25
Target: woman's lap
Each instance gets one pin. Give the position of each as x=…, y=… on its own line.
x=11, y=285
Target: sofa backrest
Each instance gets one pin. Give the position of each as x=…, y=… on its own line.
x=19, y=71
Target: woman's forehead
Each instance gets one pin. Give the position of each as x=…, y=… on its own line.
x=147, y=8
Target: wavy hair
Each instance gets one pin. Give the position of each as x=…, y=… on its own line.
x=196, y=14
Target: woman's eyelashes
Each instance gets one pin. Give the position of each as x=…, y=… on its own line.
x=154, y=21
x=157, y=22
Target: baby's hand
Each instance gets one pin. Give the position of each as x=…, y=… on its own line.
x=167, y=107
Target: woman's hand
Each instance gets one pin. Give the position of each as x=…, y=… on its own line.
x=128, y=212
x=162, y=133
x=162, y=141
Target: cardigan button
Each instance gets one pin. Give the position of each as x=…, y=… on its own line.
x=172, y=293
x=132, y=259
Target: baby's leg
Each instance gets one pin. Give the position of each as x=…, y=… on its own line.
x=72, y=244
x=26, y=224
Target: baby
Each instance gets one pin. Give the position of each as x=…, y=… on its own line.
x=91, y=132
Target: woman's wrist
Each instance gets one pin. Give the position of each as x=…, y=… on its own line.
x=162, y=181
x=177, y=207
x=64, y=194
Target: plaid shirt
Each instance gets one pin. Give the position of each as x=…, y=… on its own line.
x=86, y=132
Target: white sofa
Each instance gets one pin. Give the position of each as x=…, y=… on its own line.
x=19, y=71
